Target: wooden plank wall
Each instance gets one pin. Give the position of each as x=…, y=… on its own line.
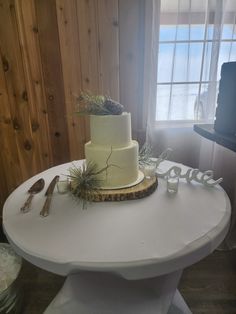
x=131, y=41
x=50, y=51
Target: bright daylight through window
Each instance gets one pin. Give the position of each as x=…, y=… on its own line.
x=196, y=37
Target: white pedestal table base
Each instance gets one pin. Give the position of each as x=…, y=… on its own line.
x=103, y=293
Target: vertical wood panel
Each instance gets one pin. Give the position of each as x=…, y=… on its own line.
x=131, y=39
x=3, y=186
x=87, y=15
x=108, y=26
x=28, y=37
x=28, y=151
x=10, y=165
x=71, y=66
x=53, y=80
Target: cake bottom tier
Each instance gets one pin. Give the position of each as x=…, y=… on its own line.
x=122, y=162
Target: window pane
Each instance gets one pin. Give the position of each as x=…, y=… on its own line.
x=227, y=53
x=183, y=98
x=227, y=32
x=234, y=32
x=182, y=101
x=210, y=31
x=195, y=61
x=197, y=32
x=233, y=52
x=200, y=103
x=188, y=58
x=163, y=96
x=165, y=58
x=183, y=32
x=180, y=63
x=207, y=61
x=167, y=32
x=224, y=56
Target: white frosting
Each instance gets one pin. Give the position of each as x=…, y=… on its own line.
x=123, y=168
x=111, y=136
x=112, y=130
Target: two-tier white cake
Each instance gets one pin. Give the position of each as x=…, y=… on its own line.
x=111, y=143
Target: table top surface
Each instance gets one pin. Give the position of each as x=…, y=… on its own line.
x=136, y=239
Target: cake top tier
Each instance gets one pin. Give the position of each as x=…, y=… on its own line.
x=112, y=130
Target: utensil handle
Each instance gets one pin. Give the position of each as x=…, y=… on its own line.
x=26, y=207
x=45, y=210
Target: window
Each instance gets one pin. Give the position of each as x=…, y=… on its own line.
x=195, y=38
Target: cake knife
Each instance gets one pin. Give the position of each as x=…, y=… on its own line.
x=45, y=210
x=34, y=189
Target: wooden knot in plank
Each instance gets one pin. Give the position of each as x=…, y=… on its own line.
x=57, y=134
x=34, y=126
x=35, y=29
x=27, y=145
x=5, y=64
x=16, y=125
x=24, y=95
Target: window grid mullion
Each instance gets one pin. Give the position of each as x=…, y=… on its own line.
x=188, y=57
x=203, y=52
x=187, y=82
x=173, y=64
x=196, y=41
x=232, y=36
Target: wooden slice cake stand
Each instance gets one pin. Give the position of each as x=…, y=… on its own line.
x=146, y=187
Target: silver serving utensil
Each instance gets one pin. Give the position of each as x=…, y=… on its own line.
x=34, y=189
x=45, y=210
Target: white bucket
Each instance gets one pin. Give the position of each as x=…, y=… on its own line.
x=10, y=266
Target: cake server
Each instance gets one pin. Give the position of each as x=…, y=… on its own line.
x=45, y=210
x=34, y=189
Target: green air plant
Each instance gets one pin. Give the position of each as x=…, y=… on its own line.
x=89, y=104
x=84, y=182
x=145, y=155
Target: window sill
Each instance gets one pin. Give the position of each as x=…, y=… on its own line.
x=178, y=124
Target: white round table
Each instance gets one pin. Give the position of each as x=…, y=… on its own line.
x=119, y=257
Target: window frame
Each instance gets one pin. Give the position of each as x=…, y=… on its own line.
x=183, y=19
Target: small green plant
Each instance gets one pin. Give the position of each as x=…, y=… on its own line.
x=84, y=182
x=145, y=155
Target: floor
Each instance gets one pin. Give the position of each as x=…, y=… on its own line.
x=209, y=287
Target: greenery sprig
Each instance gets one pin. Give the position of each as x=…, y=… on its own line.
x=146, y=155
x=89, y=104
x=84, y=180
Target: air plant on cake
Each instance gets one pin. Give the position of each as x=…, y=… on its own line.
x=85, y=184
x=89, y=104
